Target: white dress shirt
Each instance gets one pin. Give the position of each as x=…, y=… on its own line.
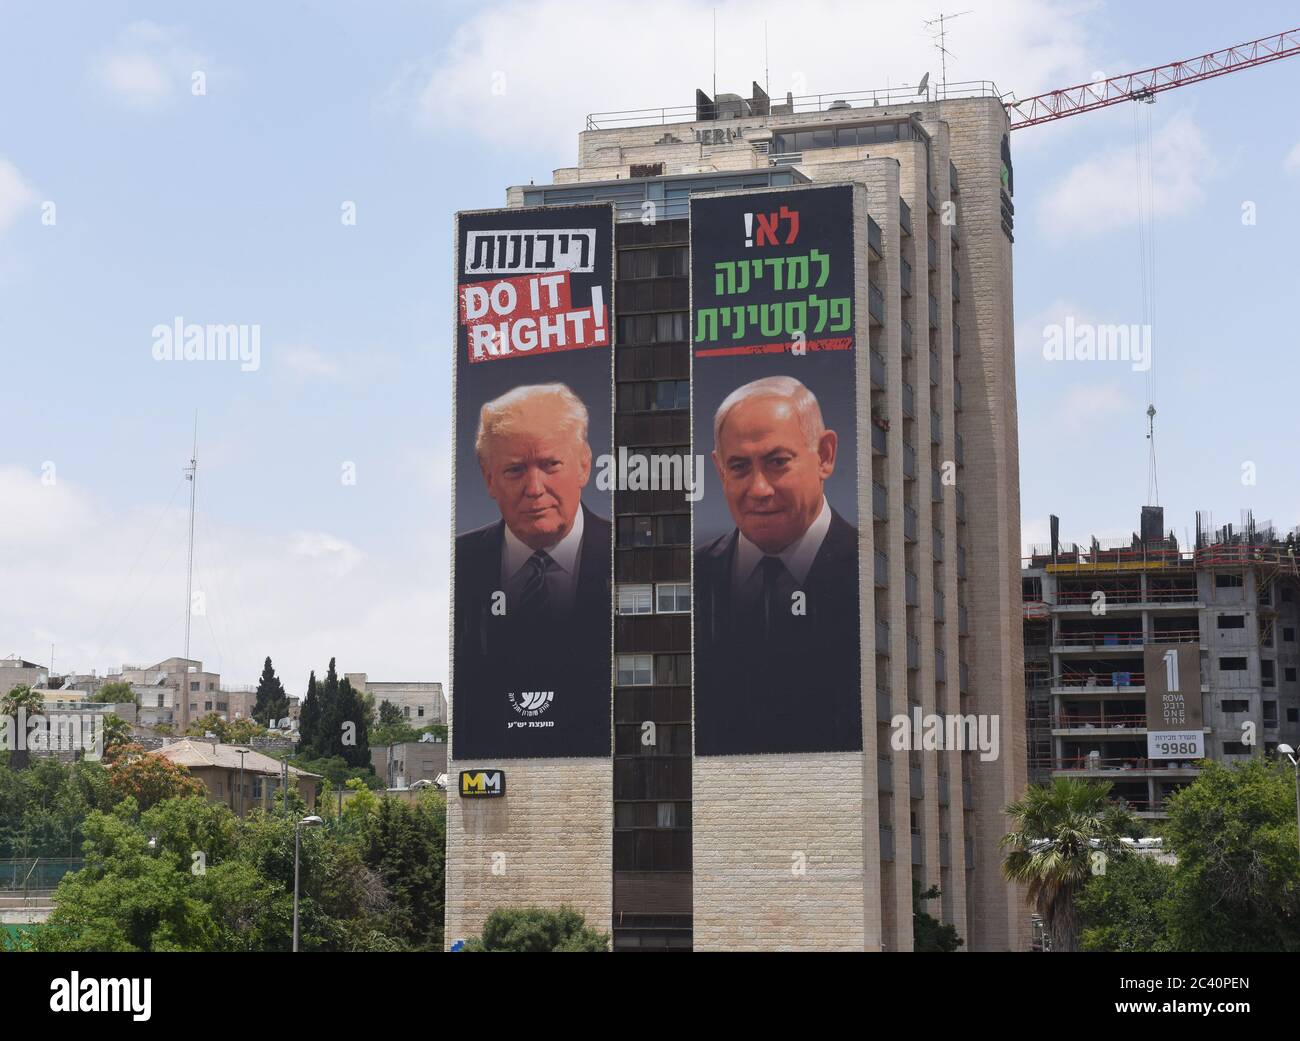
x=561, y=575
x=797, y=557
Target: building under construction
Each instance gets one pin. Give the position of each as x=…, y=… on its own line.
x=1091, y=613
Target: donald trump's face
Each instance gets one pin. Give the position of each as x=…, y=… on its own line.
x=535, y=472
x=771, y=476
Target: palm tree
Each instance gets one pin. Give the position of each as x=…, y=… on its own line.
x=1061, y=835
x=21, y=697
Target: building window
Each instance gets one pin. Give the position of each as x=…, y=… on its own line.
x=419, y=711
x=1235, y=748
x=207, y=706
x=257, y=787
x=222, y=706
x=1234, y=705
x=1232, y=664
x=673, y=669
x=406, y=711
x=673, y=597
x=194, y=686
x=1288, y=674
x=1293, y=715
x=1231, y=621
x=636, y=531
x=1288, y=635
x=1222, y=581
x=635, y=600
x=635, y=670
x=1268, y=672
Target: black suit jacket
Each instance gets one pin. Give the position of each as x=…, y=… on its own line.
x=496, y=656
x=797, y=692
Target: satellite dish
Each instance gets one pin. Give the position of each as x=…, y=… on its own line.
x=925, y=85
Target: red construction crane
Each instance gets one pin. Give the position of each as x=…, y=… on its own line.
x=1141, y=86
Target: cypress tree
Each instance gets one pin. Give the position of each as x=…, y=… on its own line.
x=309, y=719
x=272, y=701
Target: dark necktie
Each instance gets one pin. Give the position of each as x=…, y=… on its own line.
x=770, y=568
x=534, y=596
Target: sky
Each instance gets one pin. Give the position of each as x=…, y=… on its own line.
x=295, y=167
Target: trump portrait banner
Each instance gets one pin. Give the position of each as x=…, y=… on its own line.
x=532, y=626
x=776, y=640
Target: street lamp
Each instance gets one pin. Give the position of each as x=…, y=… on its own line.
x=1289, y=752
x=309, y=822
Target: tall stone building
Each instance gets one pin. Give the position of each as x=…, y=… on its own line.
x=673, y=850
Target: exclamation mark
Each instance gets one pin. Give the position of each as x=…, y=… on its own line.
x=749, y=230
x=598, y=315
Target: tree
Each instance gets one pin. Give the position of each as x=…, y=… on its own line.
x=309, y=719
x=118, y=693
x=1060, y=834
x=928, y=933
x=213, y=724
x=117, y=731
x=149, y=779
x=1126, y=907
x=272, y=702
x=530, y=929
x=1237, y=886
x=354, y=741
x=406, y=845
x=22, y=699
x=390, y=714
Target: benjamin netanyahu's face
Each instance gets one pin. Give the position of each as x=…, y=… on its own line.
x=772, y=478
x=536, y=474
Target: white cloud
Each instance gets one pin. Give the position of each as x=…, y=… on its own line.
x=108, y=587
x=525, y=74
x=1099, y=194
x=1292, y=161
x=1089, y=405
x=149, y=65
x=309, y=362
x=15, y=194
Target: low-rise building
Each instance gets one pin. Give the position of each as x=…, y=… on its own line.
x=423, y=703
x=220, y=768
x=16, y=672
x=402, y=764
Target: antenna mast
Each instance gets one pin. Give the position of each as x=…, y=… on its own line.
x=191, y=475
x=942, y=44
x=1153, y=485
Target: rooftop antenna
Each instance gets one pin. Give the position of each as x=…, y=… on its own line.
x=941, y=38
x=1153, y=484
x=191, y=475
x=767, y=66
x=924, y=86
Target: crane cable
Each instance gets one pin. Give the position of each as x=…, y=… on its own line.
x=1145, y=198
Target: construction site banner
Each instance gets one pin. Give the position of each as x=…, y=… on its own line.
x=777, y=659
x=1175, y=720
x=533, y=376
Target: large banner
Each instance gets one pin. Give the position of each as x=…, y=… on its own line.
x=532, y=621
x=777, y=666
x=1175, y=720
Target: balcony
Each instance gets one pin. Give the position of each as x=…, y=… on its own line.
x=879, y=440
x=1097, y=722
x=959, y=451
x=917, y=849
x=932, y=254
x=886, y=842
x=875, y=240
x=956, y=395
x=883, y=707
x=934, y=312
x=945, y=843
x=905, y=277
x=909, y=461
x=907, y=338
x=931, y=199
x=936, y=486
x=879, y=501
x=885, y=775
x=1098, y=640
x=882, y=637
x=905, y=217
x=882, y=569
x=961, y=505
x=952, y=177
x=936, y=428
x=877, y=370
x=961, y=561
x=963, y=622
x=956, y=284
x=966, y=798
x=915, y=782
x=911, y=589
x=955, y=237
x=1073, y=682
x=940, y=667
x=909, y=524
x=913, y=652
x=938, y=544
x=956, y=340
x=909, y=401
x=934, y=367
x=876, y=303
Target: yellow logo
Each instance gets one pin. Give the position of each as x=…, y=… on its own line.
x=481, y=783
